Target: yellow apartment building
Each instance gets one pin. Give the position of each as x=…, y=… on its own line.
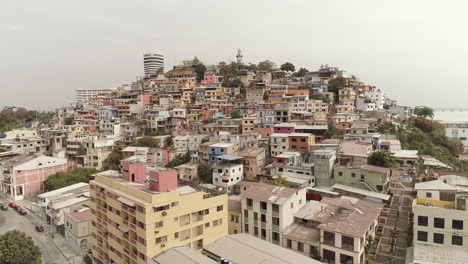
x=132, y=221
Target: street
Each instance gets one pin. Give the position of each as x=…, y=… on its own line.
x=11, y=220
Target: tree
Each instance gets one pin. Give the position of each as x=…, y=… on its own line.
x=383, y=158
x=288, y=67
x=113, y=160
x=18, y=248
x=81, y=150
x=279, y=181
x=146, y=141
x=266, y=65
x=204, y=173
x=200, y=70
x=423, y=112
x=236, y=114
x=158, y=132
x=168, y=142
x=301, y=72
x=337, y=83
x=322, y=97
x=233, y=83
x=7, y=122
x=179, y=160
x=387, y=128
x=63, y=179
x=332, y=130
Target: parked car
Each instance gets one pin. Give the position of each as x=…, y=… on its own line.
x=12, y=205
x=17, y=208
x=4, y=207
x=22, y=212
x=39, y=228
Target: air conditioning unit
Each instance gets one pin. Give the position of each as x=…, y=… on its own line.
x=163, y=245
x=164, y=213
x=156, y=231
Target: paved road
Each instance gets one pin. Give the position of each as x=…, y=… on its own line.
x=11, y=220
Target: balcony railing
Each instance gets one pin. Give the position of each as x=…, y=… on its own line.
x=275, y=228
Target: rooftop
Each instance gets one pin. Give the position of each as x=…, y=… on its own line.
x=247, y=249
x=265, y=192
x=181, y=255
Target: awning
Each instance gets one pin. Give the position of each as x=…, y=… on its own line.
x=123, y=228
x=126, y=201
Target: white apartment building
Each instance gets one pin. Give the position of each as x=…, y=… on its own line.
x=83, y=95
x=279, y=143
x=226, y=175
x=377, y=97
x=268, y=209
x=441, y=221
x=457, y=130
x=316, y=106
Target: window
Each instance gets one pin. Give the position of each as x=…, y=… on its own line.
x=246, y=228
x=457, y=240
x=353, y=175
x=207, y=225
x=173, y=204
x=161, y=208
x=275, y=220
x=246, y=213
x=328, y=256
x=329, y=238
x=263, y=218
x=141, y=225
x=422, y=220
x=422, y=236
x=300, y=246
x=288, y=243
x=347, y=242
x=263, y=232
x=249, y=202
x=438, y=238
x=439, y=222
x=340, y=173
x=219, y=208
x=176, y=235
x=158, y=224
x=428, y=195
x=161, y=239
x=255, y=231
x=346, y=259
x=292, y=205
x=457, y=224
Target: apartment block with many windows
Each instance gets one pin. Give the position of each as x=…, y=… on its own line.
x=135, y=217
x=268, y=209
x=441, y=221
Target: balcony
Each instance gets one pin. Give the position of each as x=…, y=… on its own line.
x=263, y=211
x=255, y=222
x=276, y=242
x=433, y=203
x=263, y=224
x=275, y=213
x=275, y=228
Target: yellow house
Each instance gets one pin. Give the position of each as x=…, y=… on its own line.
x=235, y=217
x=320, y=115
x=133, y=221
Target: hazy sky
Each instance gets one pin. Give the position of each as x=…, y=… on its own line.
x=416, y=51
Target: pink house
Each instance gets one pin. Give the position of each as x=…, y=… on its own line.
x=208, y=77
x=134, y=168
x=163, y=179
x=25, y=175
x=285, y=128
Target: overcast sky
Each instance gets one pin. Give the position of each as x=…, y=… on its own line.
x=416, y=51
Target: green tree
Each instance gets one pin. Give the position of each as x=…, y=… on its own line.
x=168, y=142
x=145, y=141
x=68, y=121
x=266, y=65
x=204, y=173
x=236, y=114
x=288, y=67
x=332, y=130
x=63, y=179
x=278, y=181
x=337, y=83
x=179, y=160
x=113, y=160
x=387, y=128
x=322, y=97
x=81, y=150
x=233, y=83
x=301, y=72
x=158, y=132
x=7, y=122
x=200, y=70
x=18, y=248
x=423, y=112
x=383, y=158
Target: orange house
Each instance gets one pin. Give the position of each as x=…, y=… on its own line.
x=301, y=141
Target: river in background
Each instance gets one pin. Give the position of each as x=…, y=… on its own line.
x=456, y=116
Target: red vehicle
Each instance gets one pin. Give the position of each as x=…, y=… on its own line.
x=12, y=205
x=39, y=228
